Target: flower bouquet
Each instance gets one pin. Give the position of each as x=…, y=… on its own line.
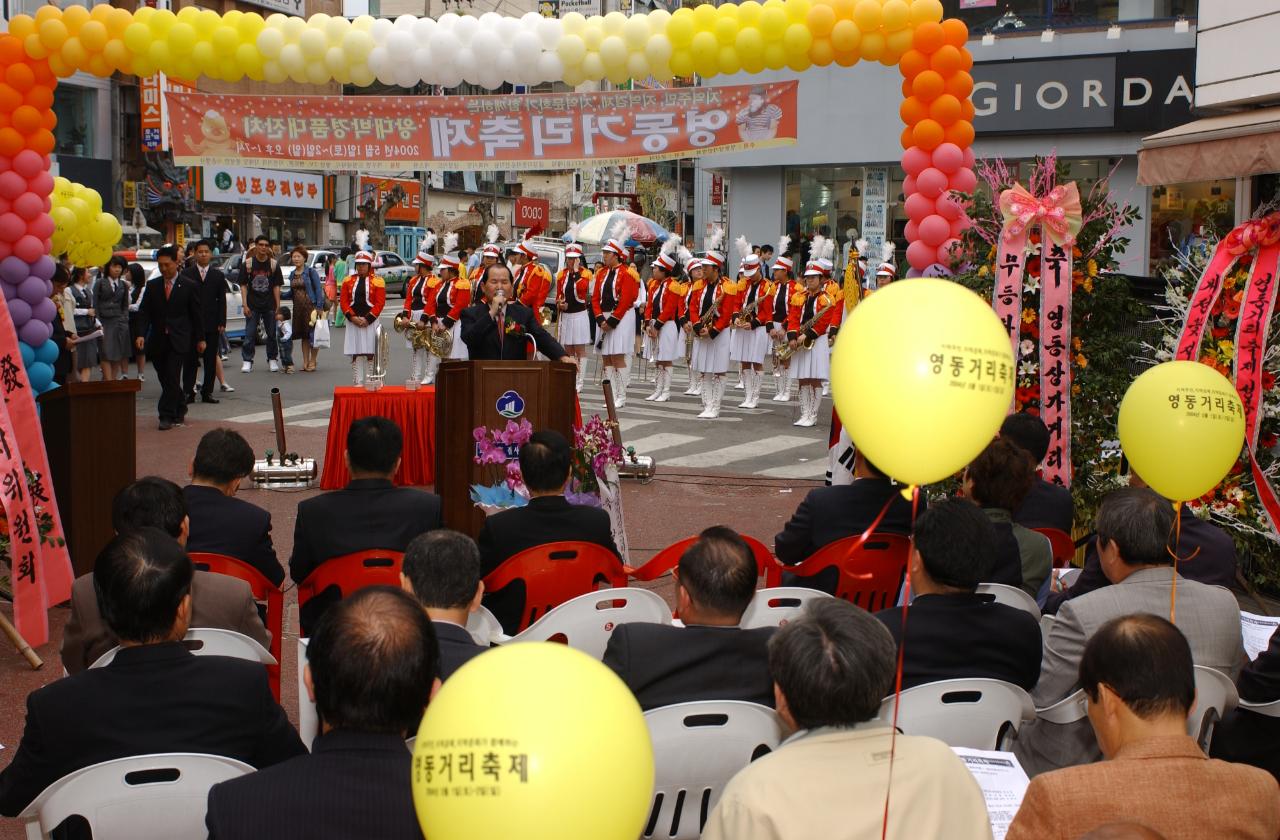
x=499, y=451
x=594, y=452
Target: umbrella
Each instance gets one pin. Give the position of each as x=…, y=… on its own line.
x=616, y=224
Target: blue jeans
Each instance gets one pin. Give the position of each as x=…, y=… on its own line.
x=251, y=319
x=286, y=352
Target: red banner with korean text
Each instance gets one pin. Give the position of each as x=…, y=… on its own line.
x=526, y=131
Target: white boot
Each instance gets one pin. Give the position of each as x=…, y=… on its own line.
x=742, y=380
x=664, y=384
x=717, y=396
x=582, y=373
x=358, y=370
x=806, y=394
x=433, y=366
x=708, y=392
x=754, y=379
x=695, y=383
x=624, y=377
x=659, y=377
x=826, y=387
x=782, y=391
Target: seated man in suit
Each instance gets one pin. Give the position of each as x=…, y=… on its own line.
x=155, y=696
x=1246, y=736
x=952, y=631
x=217, y=600
x=370, y=512
x=1133, y=526
x=442, y=570
x=520, y=324
x=548, y=518
x=1137, y=673
x=371, y=668
x=828, y=514
x=831, y=667
x=998, y=480
x=221, y=523
x=1046, y=505
x=710, y=658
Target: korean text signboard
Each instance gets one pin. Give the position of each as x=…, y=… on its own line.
x=271, y=188
x=409, y=210
x=540, y=131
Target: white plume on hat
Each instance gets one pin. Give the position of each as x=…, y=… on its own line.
x=743, y=247
x=362, y=240
x=669, y=246
x=784, y=244
x=685, y=255
x=715, y=240
x=886, y=251
x=428, y=242
x=861, y=247
x=450, y=242
x=828, y=249
x=491, y=235
x=817, y=247
x=852, y=233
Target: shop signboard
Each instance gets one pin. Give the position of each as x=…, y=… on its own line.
x=262, y=187
x=153, y=93
x=875, y=208
x=532, y=212
x=409, y=210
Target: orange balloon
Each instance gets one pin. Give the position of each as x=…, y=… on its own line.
x=959, y=85
x=26, y=119
x=966, y=63
x=821, y=52
x=847, y=59
x=946, y=60
x=11, y=142
x=907, y=138
x=41, y=142
x=945, y=110
x=44, y=75
x=955, y=32
x=4, y=121
x=928, y=37
x=912, y=110
x=821, y=20
x=98, y=66
x=11, y=51
x=49, y=120
x=844, y=8
x=960, y=133
x=928, y=86
x=19, y=76
x=40, y=98
x=913, y=63
x=967, y=110
x=928, y=134
x=9, y=99
x=906, y=88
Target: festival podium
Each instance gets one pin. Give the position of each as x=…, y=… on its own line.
x=490, y=393
x=90, y=431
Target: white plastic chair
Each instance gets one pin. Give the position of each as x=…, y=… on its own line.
x=1215, y=696
x=697, y=748
x=1270, y=709
x=776, y=606
x=980, y=714
x=1010, y=596
x=1067, y=710
x=146, y=797
x=587, y=622
x=485, y=629
x=308, y=719
x=211, y=641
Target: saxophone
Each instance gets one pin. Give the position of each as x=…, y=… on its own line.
x=743, y=319
x=783, y=348
x=709, y=317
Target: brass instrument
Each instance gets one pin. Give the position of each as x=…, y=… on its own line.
x=544, y=316
x=709, y=317
x=783, y=349
x=422, y=337
x=742, y=320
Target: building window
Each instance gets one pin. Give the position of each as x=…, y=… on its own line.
x=1009, y=16
x=1184, y=215
x=828, y=201
x=74, y=108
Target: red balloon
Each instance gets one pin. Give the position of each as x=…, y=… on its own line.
x=42, y=183
x=920, y=255
x=911, y=231
x=969, y=159
x=948, y=157
x=41, y=226
x=6, y=249
x=12, y=227
x=958, y=226
x=934, y=230
x=28, y=205
x=12, y=185
x=27, y=163
x=949, y=252
x=918, y=206
x=914, y=161
x=909, y=186
x=949, y=208
x=963, y=181
x=931, y=182
x=5, y=205
x=29, y=248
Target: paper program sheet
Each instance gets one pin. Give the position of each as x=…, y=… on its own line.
x=1257, y=630
x=1003, y=783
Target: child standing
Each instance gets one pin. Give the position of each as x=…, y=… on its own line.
x=284, y=327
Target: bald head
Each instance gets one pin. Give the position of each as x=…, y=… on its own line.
x=1123, y=831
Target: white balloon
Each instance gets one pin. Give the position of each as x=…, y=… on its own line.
x=443, y=45
x=423, y=28
x=381, y=28
x=465, y=28
x=491, y=80
x=387, y=75
x=531, y=20
x=448, y=76
x=549, y=31
x=400, y=47
x=464, y=62
x=485, y=44
x=505, y=65
x=507, y=28
x=550, y=67
x=423, y=63
x=378, y=60
x=526, y=47
x=406, y=22
x=447, y=20
x=489, y=20
x=406, y=75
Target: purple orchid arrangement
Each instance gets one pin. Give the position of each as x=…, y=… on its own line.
x=498, y=451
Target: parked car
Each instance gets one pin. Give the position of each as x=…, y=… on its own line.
x=235, y=312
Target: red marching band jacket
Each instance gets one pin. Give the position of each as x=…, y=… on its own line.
x=616, y=291
x=419, y=297
x=763, y=313
x=667, y=302
x=729, y=293
x=367, y=301
x=576, y=295
x=804, y=306
x=449, y=299
x=532, y=285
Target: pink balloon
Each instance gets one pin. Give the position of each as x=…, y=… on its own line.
x=28, y=205
x=931, y=182
x=934, y=230
x=12, y=185
x=958, y=226
x=969, y=159
x=963, y=181
x=914, y=160
x=911, y=231
x=7, y=163
x=29, y=248
x=909, y=184
x=945, y=254
x=921, y=256
x=5, y=205
x=46, y=203
x=6, y=249
x=28, y=163
x=12, y=227
x=41, y=184
x=948, y=157
x=41, y=226
x=918, y=206
x=949, y=208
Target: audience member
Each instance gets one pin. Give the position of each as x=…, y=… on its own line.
x=828, y=514
x=1247, y=736
x=442, y=570
x=548, y=518
x=369, y=513
x=155, y=696
x=221, y=523
x=371, y=670
x=1133, y=525
x=710, y=658
x=1138, y=677
x=1046, y=505
x=831, y=667
x=217, y=600
x=952, y=631
x=998, y=480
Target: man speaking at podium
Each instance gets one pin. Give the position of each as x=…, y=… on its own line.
x=500, y=327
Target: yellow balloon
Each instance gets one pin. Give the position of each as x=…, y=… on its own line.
x=93, y=35
x=704, y=17
x=20, y=26
x=537, y=767
x=892, y=384
x=925, y=11
x=896, y=15
x=867, y=14
x=53, y=32
x=797, y=10
x=74, y=17
x=1181, y=426
x=729, y=62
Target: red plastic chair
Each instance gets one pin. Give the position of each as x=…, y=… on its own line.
x=353, y=572
x=263, y=590
x=870, y=575
x=1063, y=547
x=556, y=572
x=667, y=559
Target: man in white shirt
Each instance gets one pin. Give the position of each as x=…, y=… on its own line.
x=442, y=570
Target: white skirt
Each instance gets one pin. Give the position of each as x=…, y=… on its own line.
x=812, y=364
x=360, y=341
x=670, y=342
x=715, y=353
x=459, y=348
x=621, y=340
x=414, y=315
x=749, y=345
x=575, y=328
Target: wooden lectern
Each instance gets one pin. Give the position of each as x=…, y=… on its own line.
x=91, y=433
x=490, y=393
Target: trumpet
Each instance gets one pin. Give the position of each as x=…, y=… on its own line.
x=422, y=336
x=783, y=349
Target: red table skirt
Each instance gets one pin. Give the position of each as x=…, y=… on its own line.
x=413, y=411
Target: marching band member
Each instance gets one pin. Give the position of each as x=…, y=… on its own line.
x=416, y=295
x=697, y=282
x=886, y=272
x=490, y=254
x=573, y=297
x=784, y=287
x=363, y=296
x=532, y=281
x=451, y=297
x=716, y=304
x=808, y=318
x=750, y=339
x=612, y=304
x=653, y=301
x=666, y=305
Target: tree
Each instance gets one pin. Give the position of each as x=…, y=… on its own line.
x=373, y=217
x=652, y=193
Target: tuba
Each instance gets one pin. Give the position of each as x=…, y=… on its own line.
x=421, y=336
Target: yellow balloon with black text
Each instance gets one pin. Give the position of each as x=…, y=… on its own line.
x=922, y=377
x=535, y=741
x=1181, y=426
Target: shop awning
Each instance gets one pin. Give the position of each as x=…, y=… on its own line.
x=130, y=230
x=1227, y=146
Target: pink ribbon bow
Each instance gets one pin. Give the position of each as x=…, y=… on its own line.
x=1058, y=213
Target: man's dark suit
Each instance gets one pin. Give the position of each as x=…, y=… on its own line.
x=222, y=524
x=1248, y=737
x=1214, y=562
x=966, y=635
x=480, y=334
x=457, y=648
x=353, y=784
x=151, y=699
x=213, y=312
x=546, y=519
x=1047, y=505
x=663, y=665
x=367, y=513
x=173, y=326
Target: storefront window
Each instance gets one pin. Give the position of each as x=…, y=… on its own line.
x=74, y=108
x=828, y=201
x=1012, y=15
x=1183, y=215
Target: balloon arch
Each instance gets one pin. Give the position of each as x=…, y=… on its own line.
x=36, y=219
